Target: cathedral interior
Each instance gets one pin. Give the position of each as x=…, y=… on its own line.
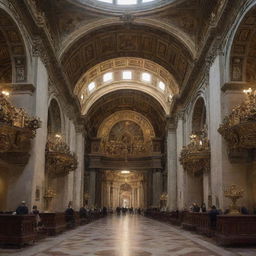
x=130, y=123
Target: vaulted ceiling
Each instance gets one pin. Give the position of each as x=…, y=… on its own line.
x=126, y=100
x=243, y=55
x=171, y=36
x=176, y=35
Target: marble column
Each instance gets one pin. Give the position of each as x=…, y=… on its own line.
x=157, y=187
x=181, y=188
x=24, y=184
x=214, y=136
x=92, y=185
x=172, y=169
x=79, y=173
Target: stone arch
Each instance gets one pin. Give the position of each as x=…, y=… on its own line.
x=13, y=68
x=241, y=54
x=82, y=31
x=54, y=123
x=119, y=41
x=129, y=115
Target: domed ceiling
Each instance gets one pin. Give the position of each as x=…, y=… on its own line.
x=124, y=5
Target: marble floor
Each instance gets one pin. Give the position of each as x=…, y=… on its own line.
x=129, y=235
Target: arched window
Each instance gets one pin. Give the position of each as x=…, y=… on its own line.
x=54, y=118
x=199, y=116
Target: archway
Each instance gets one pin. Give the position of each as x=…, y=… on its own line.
x=199, y=116
x=55, y=183
x=13, y=69
x=242, y=60
x=13, y=61
x=198, y=185
x=127, y=130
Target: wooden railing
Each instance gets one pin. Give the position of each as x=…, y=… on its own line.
x=17, y=229
x=198, y=222
x=53, y=223
x=236, y=229
x=174, y=217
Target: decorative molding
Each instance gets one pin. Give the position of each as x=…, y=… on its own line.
x=237, y=86
x=17, y=87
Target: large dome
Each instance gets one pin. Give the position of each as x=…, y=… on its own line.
x=124, y=5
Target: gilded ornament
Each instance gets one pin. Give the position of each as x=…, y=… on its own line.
x=233, y=193
x=195, y=157
x=17, y=129
x=239, y=128
x=59, y=159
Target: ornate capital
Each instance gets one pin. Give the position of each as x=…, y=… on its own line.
x=38, y=50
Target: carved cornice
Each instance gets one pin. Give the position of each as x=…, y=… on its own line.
x=237, y=86
x=19, y=87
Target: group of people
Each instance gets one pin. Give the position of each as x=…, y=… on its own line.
x=214, y=212
x=196, y=208
x=125, y=210
x=84, y=212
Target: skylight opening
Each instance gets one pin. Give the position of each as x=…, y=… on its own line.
x=108, y=77
x=107, y=1
x=127, y=75
x=125, y=172
x=146, y=77
x=91, y=86
x=161, y=85
x=126, y=2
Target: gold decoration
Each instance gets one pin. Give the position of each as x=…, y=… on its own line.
x=126, y=133
x=164, y=196
x=59, y=159
x=17, y=129
x=49, y=195
x=233, y=193
x=239, y=128
x=16, y=117
x=195, y=157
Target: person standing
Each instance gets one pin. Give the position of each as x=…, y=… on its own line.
x=22, y=209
